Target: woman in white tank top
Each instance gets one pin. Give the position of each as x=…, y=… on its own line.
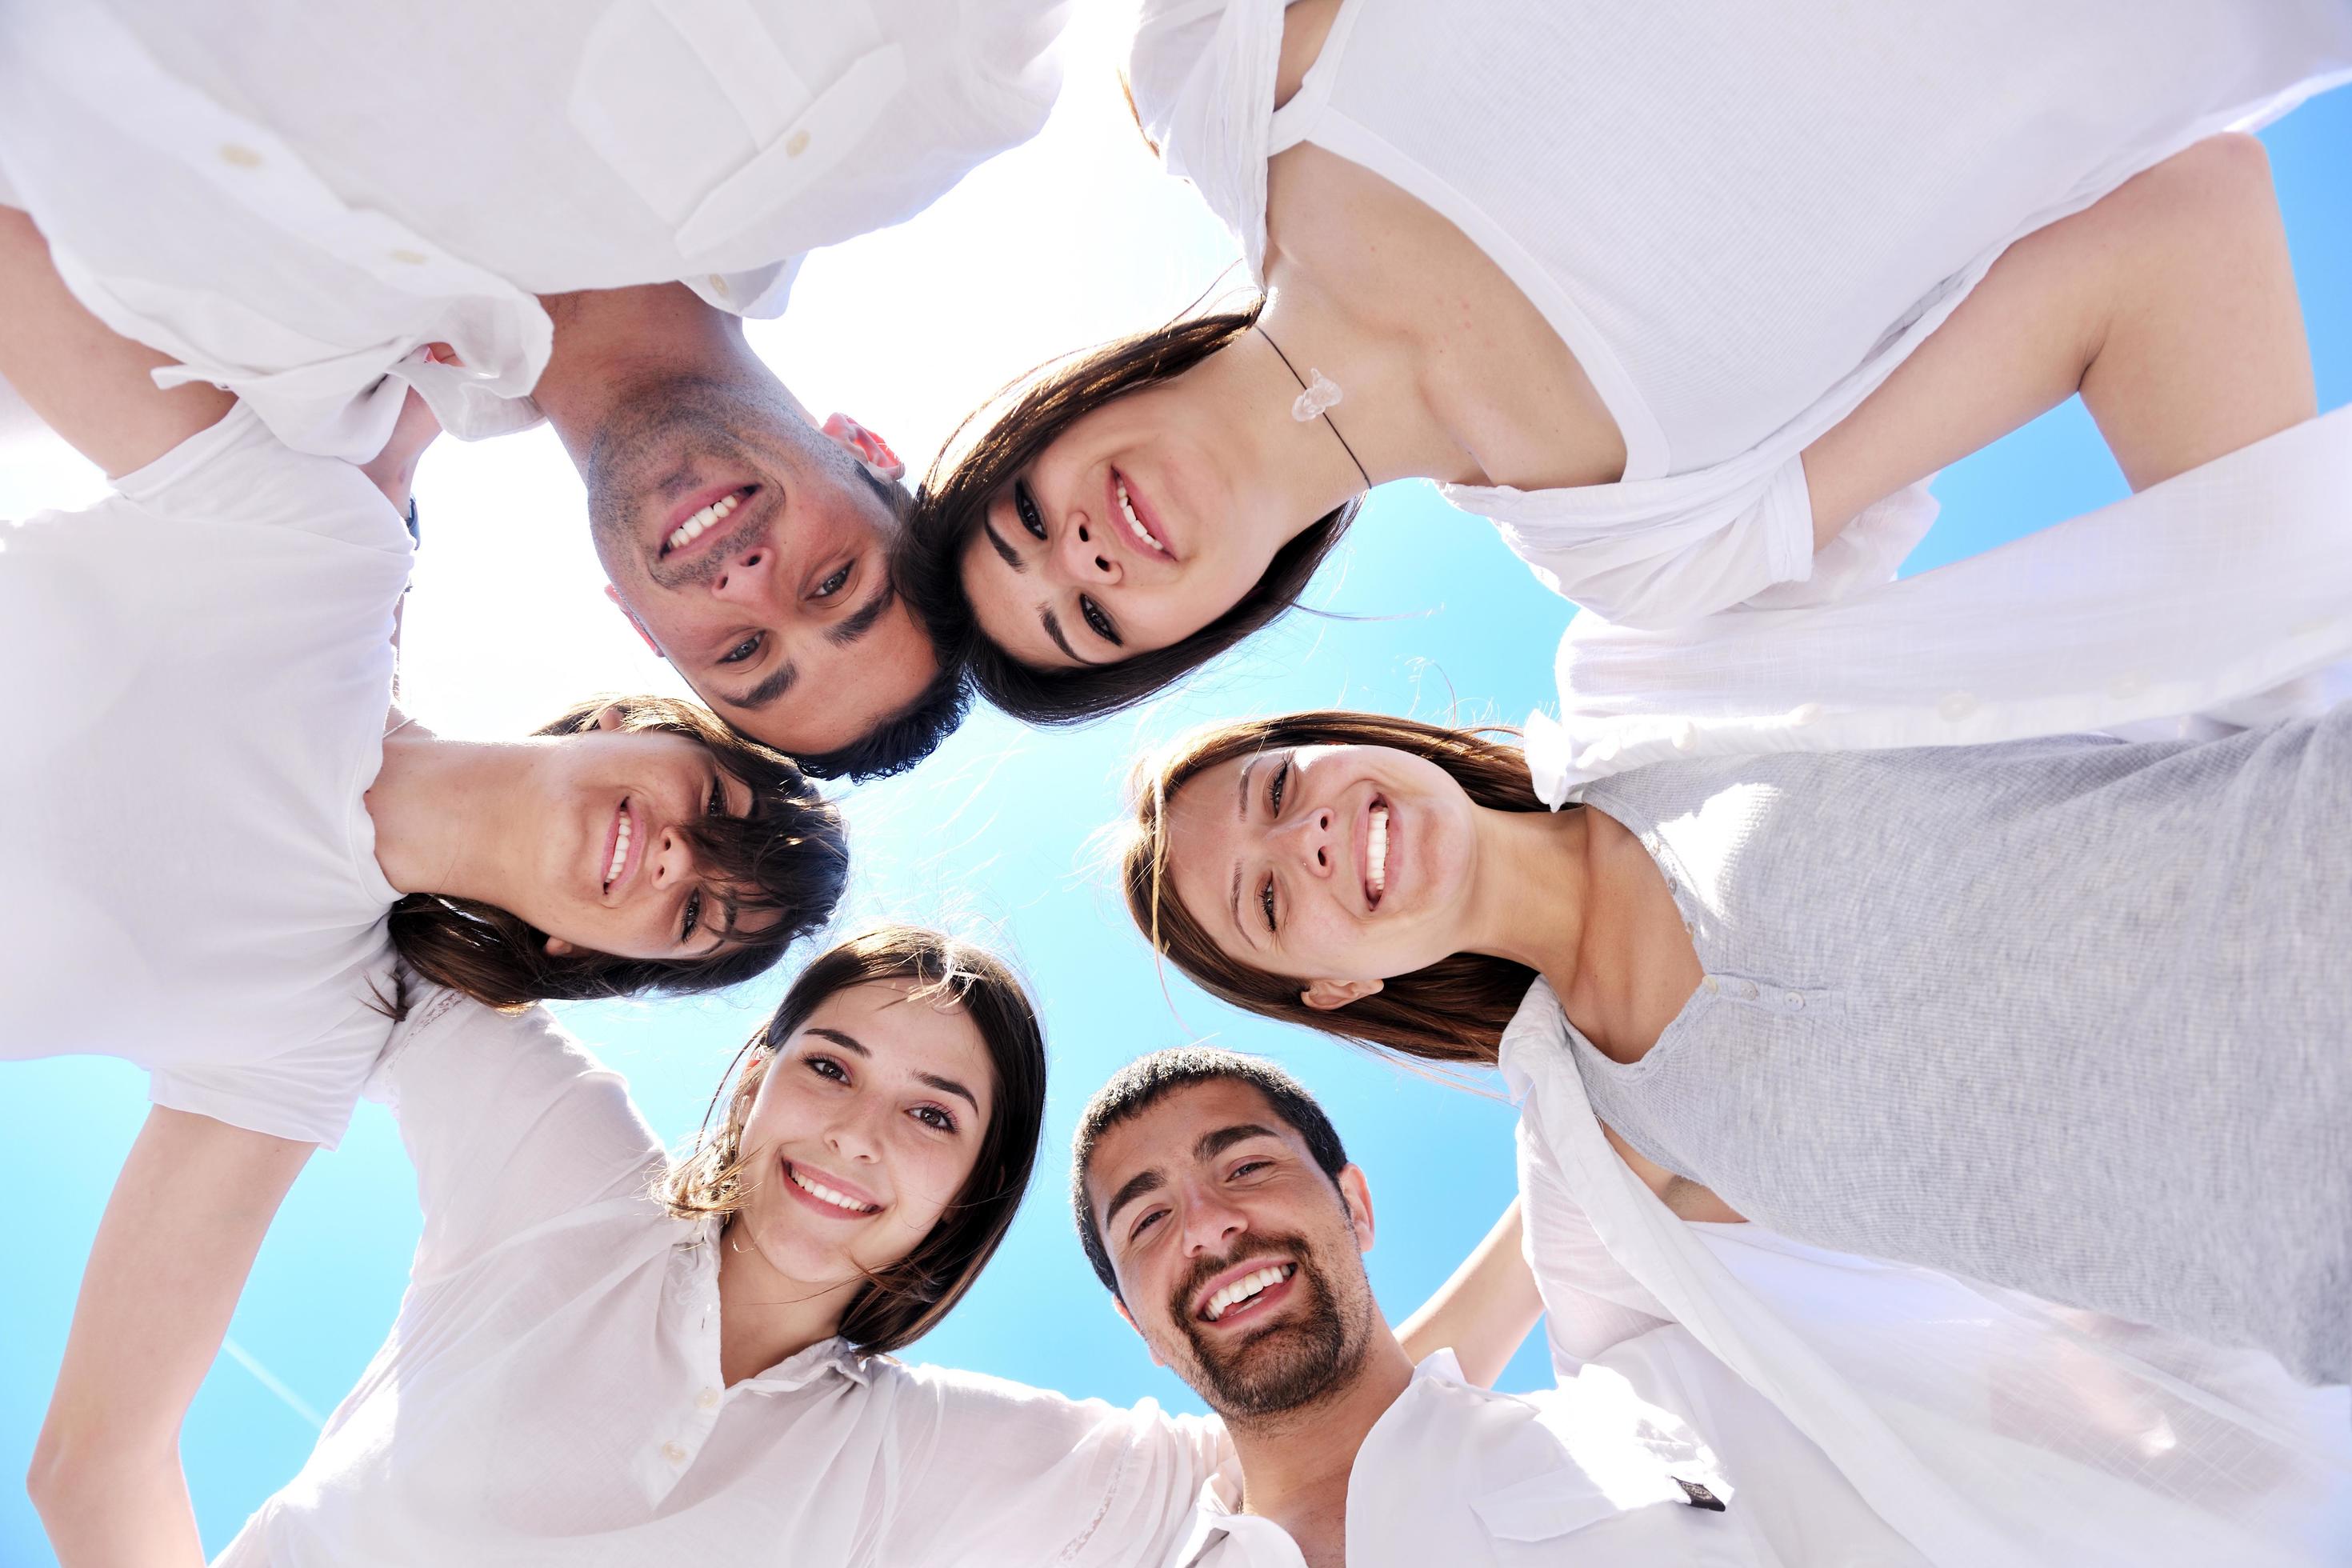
x=1688, y=300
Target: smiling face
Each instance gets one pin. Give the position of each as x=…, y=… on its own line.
x=752, y=552
x=611, y=871
x=863, y=1129
x=1238, y=1259
x=1129, y=533
x=1334, y=866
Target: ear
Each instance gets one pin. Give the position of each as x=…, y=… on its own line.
x=1358, y=1199
x=559, y=948
x=621, y=604
x=1128, y=1319
x=1331, y=995
x=608, y=717
x=864, y=446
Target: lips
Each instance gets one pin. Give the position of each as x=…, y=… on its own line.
x=1375, y=850
x=624, y=842
x=697, y=517
x=1133, y=516
x=1246, y=1290
x=826, y=1194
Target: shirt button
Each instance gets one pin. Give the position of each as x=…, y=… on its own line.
x=408, y=257
x=1712, y=983
x=672, y=1453
x=1796, y=1002
x=1685, y=734
x=1956, y=706
x=237, y=155
x=796, y=143
x=1690, y=928
x=707, y=1400
x=718, y=285
x=1748, y=989
x=1805, y=713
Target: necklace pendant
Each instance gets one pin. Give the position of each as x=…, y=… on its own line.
x=1322, y=393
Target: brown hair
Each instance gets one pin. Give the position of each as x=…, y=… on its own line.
x=790, y=856
x=899, y=1304
x=1453, y=1011
x=956, y=496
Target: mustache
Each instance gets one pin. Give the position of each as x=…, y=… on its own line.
x=712, y=559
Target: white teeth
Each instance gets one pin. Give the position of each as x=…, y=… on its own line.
x=1244, y=1287
x=1376, y=851
x=620, y=849
x=838, y=1200
x=1127, y=505
x=689, y=530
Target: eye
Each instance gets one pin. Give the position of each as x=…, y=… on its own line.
x=1275, y=789
x=1150, y=1219
x=741, y=650
x=937, y=1117
x=1097, y=621
x=827, y=1068
x=717, y=803
x=1246, y=1167
x=832, y=585
x=693, y=914
x=1025, y=507
x=1265, y=902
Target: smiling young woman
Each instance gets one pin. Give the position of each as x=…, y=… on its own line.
x=1677, y=319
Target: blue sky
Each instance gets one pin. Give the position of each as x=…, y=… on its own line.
x=1427, y=614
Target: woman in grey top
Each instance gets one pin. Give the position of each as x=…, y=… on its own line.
x=2061, y=1015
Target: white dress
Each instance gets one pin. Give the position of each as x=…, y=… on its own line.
x=1741, y=219
x=550, y=1394
x=196, y=672
x=1984, y=1426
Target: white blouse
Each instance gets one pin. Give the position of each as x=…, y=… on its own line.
x=550, y=1392
x=289, y=200
x=1985, y=1427
x=196, y=672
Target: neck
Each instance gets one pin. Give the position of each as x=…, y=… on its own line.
x=764, y=1318
x=451, y=816
x=1295, y=1464
x=1386, y=415
x=609, y=342
x=1533, y=891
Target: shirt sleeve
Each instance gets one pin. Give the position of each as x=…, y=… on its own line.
x=993, y=1471
x=306, y=1095
x=1591, y=1301
x=509, y=1123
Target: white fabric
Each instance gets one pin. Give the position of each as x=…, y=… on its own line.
x=1988, y=1428
x=1740, y=221
x=291, y=200
x=551, y=1392
x=1459, y=1475
x=2193, y=597
x=196, y=671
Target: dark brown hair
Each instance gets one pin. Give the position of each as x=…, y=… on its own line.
x=1453, y=1011
x=899, y=1304
x=955, y=496
x=789, y=856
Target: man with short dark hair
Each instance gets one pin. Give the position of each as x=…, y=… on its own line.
x=557, y=207
x=1217, y=1203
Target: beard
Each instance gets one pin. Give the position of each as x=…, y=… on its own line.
x=657, y=443
x=1284, y=1365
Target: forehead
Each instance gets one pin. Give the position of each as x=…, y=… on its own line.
x=1204, y=832
x=1165, y=1133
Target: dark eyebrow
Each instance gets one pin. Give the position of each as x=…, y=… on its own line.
x=845, y=1042
x=1212, y=1145
x=1011, y=556
x=1137, y=1186
x=860, y=621
x=768, y=690
x=950, y=1086
x=1054, y=629
x=1241, y=807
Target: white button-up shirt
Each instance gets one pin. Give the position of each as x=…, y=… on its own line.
x=1462, y=1475
x=551, y=1392
x=291, y=201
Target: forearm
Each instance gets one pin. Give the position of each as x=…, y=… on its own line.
x=106, y=1508
x=1485, y=1310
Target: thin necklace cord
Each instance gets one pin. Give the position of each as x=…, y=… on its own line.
x=1324, y=415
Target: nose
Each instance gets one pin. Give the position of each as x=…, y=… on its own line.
x=851, y=1135
x=1083, y=557
x=1210, y=1221
x=747, y=576
x=673, y=858
x=1309, y=841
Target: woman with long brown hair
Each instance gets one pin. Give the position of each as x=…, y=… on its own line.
x=1677, y=299
x=609, y=1356
x=2050, y=1015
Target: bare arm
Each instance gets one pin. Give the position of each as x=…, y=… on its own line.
x=173, y=1251
x=1685, y=1198
x=1485, y=1310
x=2169, y=305
x=89, y=384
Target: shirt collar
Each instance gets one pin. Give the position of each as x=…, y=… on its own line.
x=699, y=1247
